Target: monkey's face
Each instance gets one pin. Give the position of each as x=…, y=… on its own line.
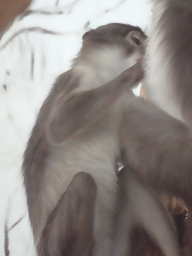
x=114, y=46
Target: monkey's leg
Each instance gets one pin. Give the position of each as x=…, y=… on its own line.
x=187, y=237
x=159, y=146
x=139, y=205
x=89, y=105
x=69, y=229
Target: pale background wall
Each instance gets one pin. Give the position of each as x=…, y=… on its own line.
x=35, y=49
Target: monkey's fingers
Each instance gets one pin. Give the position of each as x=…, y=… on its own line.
x=135, y=73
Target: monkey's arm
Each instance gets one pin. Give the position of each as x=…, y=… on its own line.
x=159, y=146
x=83, y=108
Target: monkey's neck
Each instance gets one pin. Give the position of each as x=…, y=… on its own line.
x=99, y=67
x=90, y=78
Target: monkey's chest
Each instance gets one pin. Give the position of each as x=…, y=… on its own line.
x=88, y=155
x=93, y=151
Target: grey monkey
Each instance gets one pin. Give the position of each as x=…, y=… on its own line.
x=75, y=142
x=159, y=145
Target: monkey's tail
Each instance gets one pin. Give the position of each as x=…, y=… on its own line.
x=141, y=206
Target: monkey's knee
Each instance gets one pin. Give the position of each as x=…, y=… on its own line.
x=69, y=229
x=84, y=184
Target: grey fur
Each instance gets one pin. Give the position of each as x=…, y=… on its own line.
x=169, y=85
x=69, y=229
x=159, y=146
x=77, y=130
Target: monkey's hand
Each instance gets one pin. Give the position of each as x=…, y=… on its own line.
x=83, y=108
x=136, y=72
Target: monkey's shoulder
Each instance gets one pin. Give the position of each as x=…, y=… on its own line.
x=38, y=145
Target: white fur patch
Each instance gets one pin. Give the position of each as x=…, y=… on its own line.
x=103, y=65
x=158, y=77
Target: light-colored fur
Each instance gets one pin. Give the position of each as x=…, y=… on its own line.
x=159, y=76
x=102, y=65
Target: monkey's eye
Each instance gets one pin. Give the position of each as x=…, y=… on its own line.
x=135, y=38
x=137, y=41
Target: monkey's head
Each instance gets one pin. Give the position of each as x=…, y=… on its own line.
x=113, y=47
x=116, y=33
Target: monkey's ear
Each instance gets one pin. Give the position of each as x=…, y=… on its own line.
x=88, y=34
x=135, y=38
x=85, y=35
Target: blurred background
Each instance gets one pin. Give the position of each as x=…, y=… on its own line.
x=34, y=49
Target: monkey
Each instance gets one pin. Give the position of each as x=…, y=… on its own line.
x=159, y=147
x=159, y=143
x=170, y=42
x=75, y=140
x=169, y=47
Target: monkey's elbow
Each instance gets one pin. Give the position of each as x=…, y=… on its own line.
x=84, y=183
